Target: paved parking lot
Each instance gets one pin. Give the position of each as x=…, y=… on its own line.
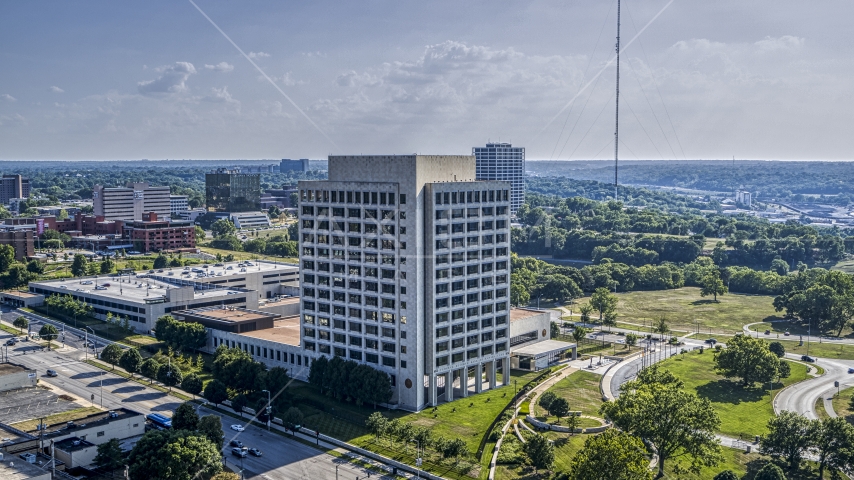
x=30, y=403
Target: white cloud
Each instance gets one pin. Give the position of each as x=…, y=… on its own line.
x=220, y=67
x=313, y=54
x=220, y=95
x=56, y=89
x=258, y=54
x=172, y=79
x=786, y=43
x=8, y=97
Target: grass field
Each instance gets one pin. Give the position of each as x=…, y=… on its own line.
x=843, y=404
x=581, y=389
x=685, y=310
x=744, y=412
x=63, y=417
x=465, y=418
x=745, y=465
x=247, y=255
x=846, y=266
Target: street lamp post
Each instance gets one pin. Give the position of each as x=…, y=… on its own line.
x=417, y=458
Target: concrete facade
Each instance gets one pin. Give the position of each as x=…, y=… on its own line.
x=368, y=245
x=503, y=161
x=13, y=376
x=528, y=326
x=131, y=201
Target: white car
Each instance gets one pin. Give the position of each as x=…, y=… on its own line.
x=237, y=427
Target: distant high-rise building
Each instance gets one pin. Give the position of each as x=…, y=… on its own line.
x=230, y=191
x=743, y=197
x=131, y=201
x=288, y=165
x=13, y=186
x=503, y=161
x=405, y=266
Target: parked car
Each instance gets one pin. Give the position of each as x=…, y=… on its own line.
x=238, y=452
x=808, y=358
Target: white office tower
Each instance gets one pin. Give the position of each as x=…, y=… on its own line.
x=131, y=201
x=502, y=161
x=406, y=267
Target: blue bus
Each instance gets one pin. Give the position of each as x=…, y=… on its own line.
x=159, y=421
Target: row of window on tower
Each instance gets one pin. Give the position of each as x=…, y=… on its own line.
x=351, y=197
x=341, y=212
x=471, y=196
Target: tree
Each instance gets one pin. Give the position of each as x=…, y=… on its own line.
x=211, y=427
x=173, y=455
x=519, y=294
x=655, y=408
x=161, y=261
x=613, y=455
x=789, y=436
x=185, y=417
x=780, y=266
x=192, y=384
x=546, y=400
x=833, y=442
x=35, y=266
x=112, y=354
x=107, y=266
x=110, y=455
x=238, y=403
x=778, y=349
x=7, y=257
x=21, y=323
x=49, y=333
x=131, y=361
x=770, y=472
x=169, y=375
x=749, y=359
x=554, y=330
x=631, y=340
x=661, y=327
x=559, y=408
x=79, y=265
x=726, y=475
x=149, y=369
x=711, y=284
x=200, y=233
x=223, y=227
x=783, y=369
x=585, y=311
x=216, y=392
x=539, y=451
x=293, y=418
x=579, y=334
x=603, y=301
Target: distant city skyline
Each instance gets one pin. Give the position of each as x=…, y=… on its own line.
x=103, y=80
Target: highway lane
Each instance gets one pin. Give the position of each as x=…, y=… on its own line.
x=283, y=459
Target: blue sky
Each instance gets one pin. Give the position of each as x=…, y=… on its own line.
x=128, y=80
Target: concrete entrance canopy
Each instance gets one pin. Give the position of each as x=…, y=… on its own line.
x=541, y=354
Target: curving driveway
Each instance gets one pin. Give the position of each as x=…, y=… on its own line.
x=801, y=397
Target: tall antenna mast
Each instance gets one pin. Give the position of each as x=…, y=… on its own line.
x=617, y=116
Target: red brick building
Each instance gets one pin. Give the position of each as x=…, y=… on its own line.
x=152, y=234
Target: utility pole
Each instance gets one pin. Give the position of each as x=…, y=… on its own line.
x=617, y=111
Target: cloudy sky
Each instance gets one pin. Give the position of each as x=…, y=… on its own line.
x=155, y=79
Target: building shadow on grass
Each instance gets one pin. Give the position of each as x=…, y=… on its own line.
x=728, y=391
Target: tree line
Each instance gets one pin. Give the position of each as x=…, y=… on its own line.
x=347, y=380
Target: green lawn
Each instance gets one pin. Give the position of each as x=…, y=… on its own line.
x=465, y=418
x=846, y=266
x=566, y=447
x=581, y=389
x=745, y=465
x=686, y=311
x=743, y=412
x=70, y=415
x=247, y=255
x=843, y=404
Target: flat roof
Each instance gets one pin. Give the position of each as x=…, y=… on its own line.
x=233, y=315
x=22, y=470
x=17, y=294
x=68, y=444
x=127, y=288
x=7, y=368
x=99, y=418
x=285, y=330
x=540, y=348
x=257, y=266
x=520, y=313
x=280, y=301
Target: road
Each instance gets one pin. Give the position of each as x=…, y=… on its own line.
x=801, y=397
x=283, y=459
